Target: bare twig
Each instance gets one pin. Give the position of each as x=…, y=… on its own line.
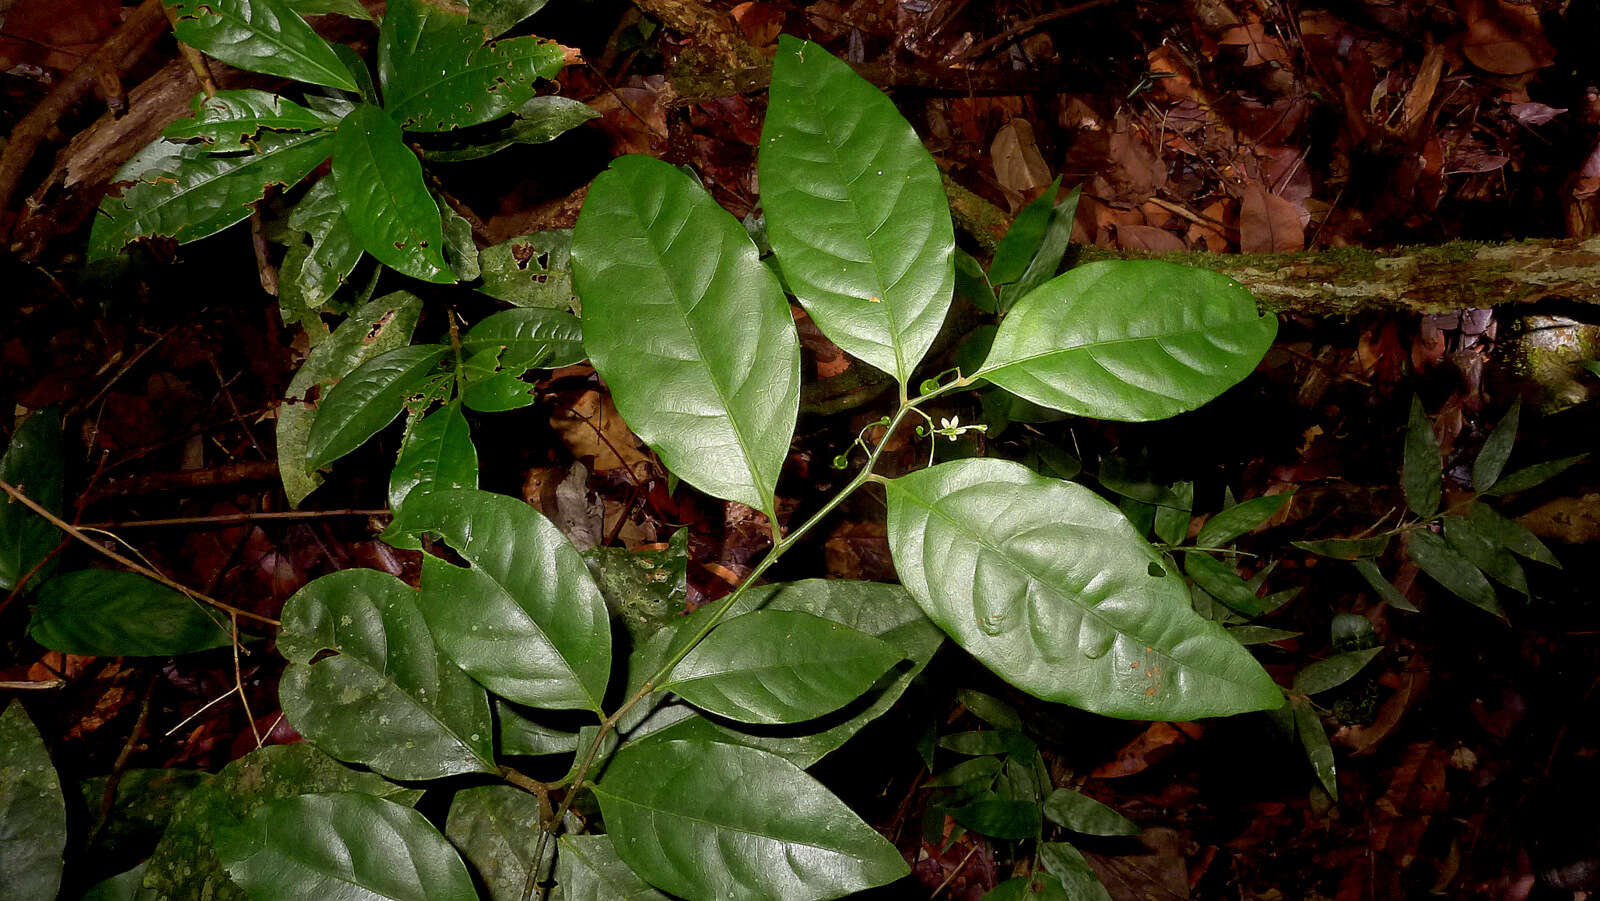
x=224, y=520
x=1027, y=26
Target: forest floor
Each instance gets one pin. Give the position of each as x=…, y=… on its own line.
x=1466, y=751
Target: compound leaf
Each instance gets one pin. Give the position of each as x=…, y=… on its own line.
x=259, y=36
x=1455, y=572
x=108, y=613
x=775, y=666
x=1483, y=551
x=33, y=813
x=368, y=399
x=709, y=820
x=1239, y=519
x=855, y=210
x=342, y=845
x=688, y=328
x=524, y=617
x=1511, y=535
x=185, y=193
x=385, y=200
x=1131, y=340
x=1081, y=813
x=1049, y=586
x=385, y=696
x=439, y=75
x=1531, y=476
x=32, y=463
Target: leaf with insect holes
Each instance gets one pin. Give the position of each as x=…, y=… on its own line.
x=368, y=399
x=264, y=36
x=385, y=199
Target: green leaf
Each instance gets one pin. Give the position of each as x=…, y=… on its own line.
x=500, y=15
x=342, y=845
x=495, y=828
x=1453, y=571
x=780, y=667
x=1222, y=582
x=1023, y=238
x=644, y=591
x=382, y=325
x=1496, y=450
x=998, y=817
x=1172, y=523
x=1081, y=813
x=972, y=284
x=32, y=463
x=1332, y=672
x=311, y=273
x=520, y=735
x=1248, y=635
x=855, y=210
x=368, y=399
x=385, y=697
x=1239, y=519
x=259, y=36
x=1385, y=589
x=192, y=194
x=524, y=617
x=185, y=865
x=1511, y=535
x=538, y=121
x=1049, y=586
x=460, y=247
x=978, y=770
x=1047, y=258
x=990, y=709
x=1531, y=476
x=1422, y=470
x=531, y=270
x=1481, y=549
x=987, y=741
x=588, y=869
x=439, y=75
x=385, y=200
x=1079, y=880
x=527, y=339
x=140, y=808
x=1346, y=548
x=437, y=453
x=350, y=8
x=127, y=886
x=1315, y=741
x=107, y=613
x=232, y=118
x=33, y=814
x=884, y=611
x=688, y=328
x=736, y=822
x=1130, y=340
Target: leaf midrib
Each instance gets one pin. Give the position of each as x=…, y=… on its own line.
x=139, y=217
x=406, y=220
x=1095, y=345
x=201, y=9
x=398, y=103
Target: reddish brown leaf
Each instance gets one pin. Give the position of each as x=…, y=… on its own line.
x=1268, y=223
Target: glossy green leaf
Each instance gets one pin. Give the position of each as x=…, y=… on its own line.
x=350, y=8
x=1248, y=635
x=385, y=199
x=530, y=270
x=127, y=886
x=588, y=869
x=33, y=814
x=1346, y=548
x=990, y=709
x=998, y=817
x=259, y=36
x=460, y=247
x=1483, y=551
x=538, y=121
x=384, y=697
x=1078, y=880
x=1131, y=340
x=382, y=325
x=438, y=74
x=987, y=741
x=884, y=611
x=973, y=285
x=192, y=194
x=1046, y=261
x=500, y=15
x=520, y=735
x=32, y=463
x=527, y=339
x=1496, y=450
x=1081, y=813
x=978, y=770
x=1422, y=470
x=342, y=845
x=184, y=865
x=1315, y=741
x=141, y=806
x=232, y=118
x=312, y=273
x=1332, y=672
x=1022, y=239
x=1511, y=535
x=1172, y=522
x=1222, y=582
x=708, y=820
x=688, y=328
x=368, y=399
x=855, y=210
x=1455, y=572
x=1049, y=586
x=1239, y=519
x=780, y=667
x=438, y=453
x=524, y=617
x=108, y=613
x=495, y=827
x=1532, y=476
x=1385, y=589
